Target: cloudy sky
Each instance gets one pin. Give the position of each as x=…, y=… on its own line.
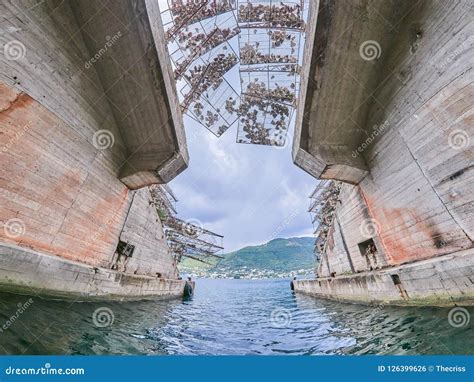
x=248, y=193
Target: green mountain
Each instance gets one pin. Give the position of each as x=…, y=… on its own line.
x=277, y=258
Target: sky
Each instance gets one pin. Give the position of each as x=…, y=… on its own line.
x=249, y=193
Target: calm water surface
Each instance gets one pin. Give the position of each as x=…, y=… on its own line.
x=229, y=317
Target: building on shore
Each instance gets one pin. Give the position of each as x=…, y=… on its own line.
x=386, y=110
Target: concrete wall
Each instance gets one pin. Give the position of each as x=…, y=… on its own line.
x=441, y=281
x=65, y=196
x=51, y=70
x=143, y=229
x=416, y=129
x=352, y=225
x=26, y=271
x=63, y=190
x=100, y=66
x=420, y=187
x=422, y=203
x=61, y=193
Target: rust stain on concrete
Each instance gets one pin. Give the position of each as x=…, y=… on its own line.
x=8, y=96
x=63, y=205
x=406, y=236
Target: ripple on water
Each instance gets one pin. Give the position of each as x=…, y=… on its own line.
x=232, y=317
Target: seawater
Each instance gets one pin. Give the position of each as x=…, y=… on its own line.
x=227, y=317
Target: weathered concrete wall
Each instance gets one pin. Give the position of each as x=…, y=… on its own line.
x=406, y=113
x=340, y=262
x=442, y=281
x=49, y=67
x=64, y=196
x=416, y=201
x=74, y=76
x=359, y=55
x=102, y=69
x=420, y=212
x=63, y=190
x=353, y=224
x=143, y=229
x=420, y=187
x=29, y=272
x=137, y=79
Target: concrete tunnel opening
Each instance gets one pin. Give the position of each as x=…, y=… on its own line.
x=351, y=99
x=236, y=177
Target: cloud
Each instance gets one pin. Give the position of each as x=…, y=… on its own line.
x=248, y=193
